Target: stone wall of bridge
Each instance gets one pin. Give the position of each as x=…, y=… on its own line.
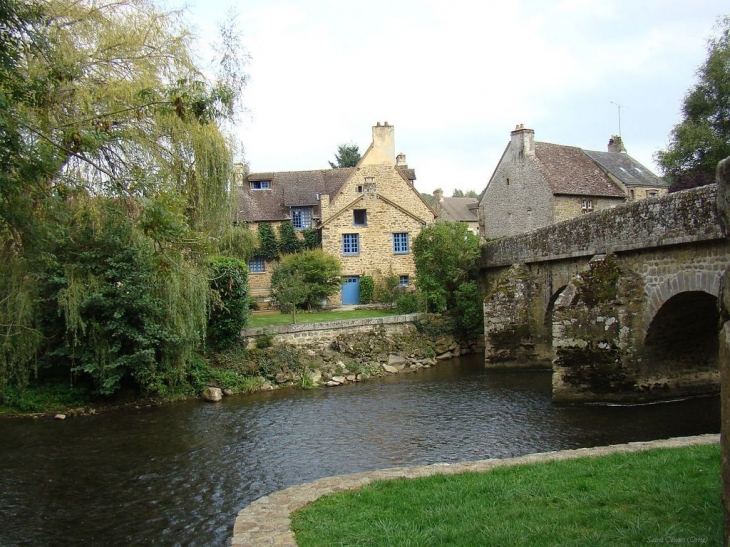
x=646, y=331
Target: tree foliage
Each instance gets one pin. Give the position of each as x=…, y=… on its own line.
x=304, y=279
x=461, y=194
x=347, y=155
x=114, y=189
x=229, y=311
x=446, y=255
x=702, y=138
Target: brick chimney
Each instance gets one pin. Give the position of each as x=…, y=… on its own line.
x=616, y=144
x=384, y=141
x=523, y=141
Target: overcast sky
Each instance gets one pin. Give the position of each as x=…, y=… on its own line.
x=455, y=77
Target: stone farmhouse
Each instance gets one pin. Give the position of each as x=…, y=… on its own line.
x=464, y=210
x=367, y=215
x=536, y=184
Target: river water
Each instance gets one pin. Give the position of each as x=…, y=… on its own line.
x=178, y=474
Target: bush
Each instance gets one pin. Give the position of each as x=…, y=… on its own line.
x=367, y=288
x=469, y=310
x=384, y=291
x=409, y=302
x=230, y=310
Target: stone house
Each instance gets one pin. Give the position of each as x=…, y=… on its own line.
x=367, y=215
x=536, y=184
x=464, y=210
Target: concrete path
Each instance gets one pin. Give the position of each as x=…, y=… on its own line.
x=266, y=520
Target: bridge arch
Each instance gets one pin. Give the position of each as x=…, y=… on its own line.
x=679, y=282
x=684, y=331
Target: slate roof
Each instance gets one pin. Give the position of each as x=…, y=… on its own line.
x=288, y=189
x=460, y=209
x=568, y=170
x=626, y=169
x=293, y=189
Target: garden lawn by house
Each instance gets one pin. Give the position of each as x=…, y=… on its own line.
x=274, y=319
x=652, y=497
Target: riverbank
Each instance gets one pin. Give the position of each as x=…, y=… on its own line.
x=261, y=363
x=267, y=521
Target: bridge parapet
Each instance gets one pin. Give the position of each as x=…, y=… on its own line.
x=681, y=217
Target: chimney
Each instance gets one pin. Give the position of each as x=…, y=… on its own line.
x=400, y=160
x=616, y=144
x=438, y=199
x=384, y=141
x=523, y=141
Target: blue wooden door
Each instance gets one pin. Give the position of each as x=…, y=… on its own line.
x=351, y=289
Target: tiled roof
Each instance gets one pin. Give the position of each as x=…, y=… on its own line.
x=626, y=169
x=460, y=209
x=570, y=171
x=288, y=189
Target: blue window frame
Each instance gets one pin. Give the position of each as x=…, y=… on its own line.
x=400, y=243
x=257, y=265
x=350, y=244
x=260, y=185
x=403, y=281
x=301, y=217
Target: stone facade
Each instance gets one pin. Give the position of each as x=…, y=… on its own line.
x=536, y=184
x=375, y=205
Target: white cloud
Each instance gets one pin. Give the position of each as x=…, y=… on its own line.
x=455, y=77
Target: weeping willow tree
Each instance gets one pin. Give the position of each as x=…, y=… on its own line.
x=115, y=189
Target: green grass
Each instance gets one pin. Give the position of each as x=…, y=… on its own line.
x=275, y=319
x=654, y=497
x=41, y=398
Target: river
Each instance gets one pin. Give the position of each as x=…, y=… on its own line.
x=178, y=474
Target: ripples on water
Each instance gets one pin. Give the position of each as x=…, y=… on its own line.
x=177, y=475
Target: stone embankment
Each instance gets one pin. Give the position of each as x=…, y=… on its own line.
x=266, y=521
x=341, y=352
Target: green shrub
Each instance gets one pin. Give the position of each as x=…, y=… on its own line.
x=469, y=310
x=230, y=309
x=409, y=302
x=367, y=288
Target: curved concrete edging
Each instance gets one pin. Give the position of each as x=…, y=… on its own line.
x=266, y=520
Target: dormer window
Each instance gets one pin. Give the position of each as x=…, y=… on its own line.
x=260, y=185
x=587, y=206
x=301, y=217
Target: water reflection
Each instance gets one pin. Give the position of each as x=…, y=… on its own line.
x=177, y=475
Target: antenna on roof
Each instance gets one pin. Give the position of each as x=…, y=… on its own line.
x=619, y=106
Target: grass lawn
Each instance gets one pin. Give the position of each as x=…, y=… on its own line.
x=644, y=498
x=275, y=319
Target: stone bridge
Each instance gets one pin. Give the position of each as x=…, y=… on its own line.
x=621, y=302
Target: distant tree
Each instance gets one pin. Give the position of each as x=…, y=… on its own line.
x=347, y=155
x=460, y=194
x=702, y=138
x=428, y=198
x=288, y=241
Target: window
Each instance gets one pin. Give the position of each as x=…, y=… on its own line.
x=403, y=281
x=260, y=185
x=652, y=193
x=350, y=244
x=360, y=217
x=301, y=217
x=257, y=265
x=359, y=188
x=587, y=206
x=400, y=243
